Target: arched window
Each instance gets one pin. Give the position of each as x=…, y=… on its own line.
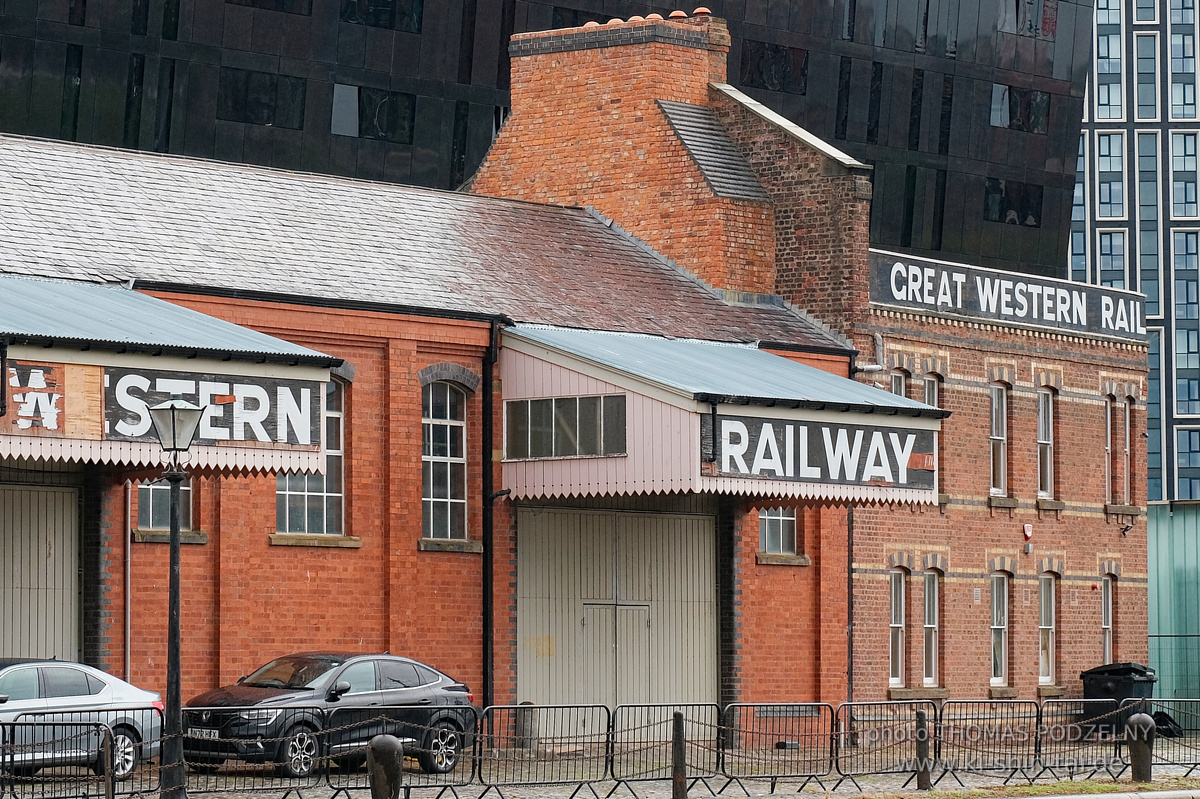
x=896, y=619
x=444, y=461
x=999, y=582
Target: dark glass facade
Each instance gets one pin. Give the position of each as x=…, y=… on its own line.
x=968, y=109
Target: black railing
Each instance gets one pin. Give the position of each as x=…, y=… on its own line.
x=69, y=756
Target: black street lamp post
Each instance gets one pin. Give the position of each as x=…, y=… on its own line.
x=175, y=422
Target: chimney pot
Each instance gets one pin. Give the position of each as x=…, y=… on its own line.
x=615, y=21
x=677, y=14
x=654, y=16
x=636, y=18
x=592, y=24
x=701, y=12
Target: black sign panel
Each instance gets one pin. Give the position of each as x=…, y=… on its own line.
x=825, y=452
x=263, y=410
x=1007, y=297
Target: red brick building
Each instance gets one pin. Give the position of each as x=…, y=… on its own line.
x=568, y=460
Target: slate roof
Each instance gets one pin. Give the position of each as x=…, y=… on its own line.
x=722, y=165
x=706, y=371
x=105, y=316
x=85, y=212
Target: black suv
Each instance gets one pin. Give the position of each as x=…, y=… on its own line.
x=298, y=708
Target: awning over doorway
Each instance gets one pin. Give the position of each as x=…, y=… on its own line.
x=703, y=416
x=85, y=360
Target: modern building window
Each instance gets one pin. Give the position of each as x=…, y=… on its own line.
x=154, y=505
x=1187, y=452
x=1079, y=220
x=1147, y=11
x=1045, y=443
x=1046, y=629
x=999, y=440
x=373, y=113
x=896, y=627
x=1147, y=76
x=1108, y=100
x=312, y=503
x=1020, y=109
x=401, y=15
x=999, y=629
x=774, y=67
x=1154, y=414
x=931, y=584
x=1106, y=619
x=1183, y=175
x=777, y=531
x=1108, y=12
x=565, y=427
x=1112, y=258
x=261, y=98
x=1110, y=178
x=1148, y=223
x=1013, y=203
x=1183, y=75
x=1035, y=18
x=1183, y=12
x=444, y=461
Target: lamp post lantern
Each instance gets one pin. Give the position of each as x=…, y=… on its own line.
x=175, y=423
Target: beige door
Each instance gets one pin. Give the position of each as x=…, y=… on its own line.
x=39, y=572
x=615, y=608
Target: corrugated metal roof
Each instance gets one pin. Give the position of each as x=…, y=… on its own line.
x=84, y=212
x=106, y=316
x=711, y=371
x=722, y=165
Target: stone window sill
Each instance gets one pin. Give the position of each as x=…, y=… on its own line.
x=164, y=536
x=773, y=559
x=1002, y=502
x=909, y=694
x=317, y=540
x=1051, y=504
x=1123, y=510
x=449, y=545
x=1052, y=690
x=1002, y=692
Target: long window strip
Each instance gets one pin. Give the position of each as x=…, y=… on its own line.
x=1106, y=618
x=896, y=627
x=1045, y=440
x=1150, y=277
x=931, y=628
x=999, y=629
x=999, y=440
x=1046, y=629
x=444, y=462
x=312, y=504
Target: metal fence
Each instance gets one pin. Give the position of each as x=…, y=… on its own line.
x=69, y=756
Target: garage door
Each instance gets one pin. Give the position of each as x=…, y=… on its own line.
x=615, y=608
x=39, y=568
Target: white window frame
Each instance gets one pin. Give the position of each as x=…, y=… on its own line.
x=1108, y=449
x=781, y=519
x=1106, y=619
x=1126, y=497
x=1178, y=135
x=1045, y=443
x=1157, y=80
x=896, y=619
x=999, y=629
x=898, y=383
x=1108, y=137
x=930, y=652
x=998, y=439
x=1047, y=627
x=151, y=494
x=430, y=461
x=289, y=487
x=931, y=390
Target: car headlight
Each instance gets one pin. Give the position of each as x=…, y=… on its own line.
x=261, y=716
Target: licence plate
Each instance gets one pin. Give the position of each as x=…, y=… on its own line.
x=201, y=732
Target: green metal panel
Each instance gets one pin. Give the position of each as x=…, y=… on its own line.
x=1174, y=596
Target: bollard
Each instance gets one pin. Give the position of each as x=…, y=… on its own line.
x=525, y=726
x=923, y=783
x=106, y=763
x=1140, y=732
x=385, y=766
x=678, y=759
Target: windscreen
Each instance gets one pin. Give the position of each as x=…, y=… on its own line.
x=294, y=671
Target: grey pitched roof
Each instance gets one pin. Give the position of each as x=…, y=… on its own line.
x=722, y=165
x=705, y=371
x=106, y=316
x=85, y=212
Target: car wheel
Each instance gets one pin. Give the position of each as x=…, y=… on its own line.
x=299, y=753
x=126, y=754
x=442, y=746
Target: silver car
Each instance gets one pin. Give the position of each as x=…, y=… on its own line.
x=51, y=712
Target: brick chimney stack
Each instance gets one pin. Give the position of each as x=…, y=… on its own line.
x=588, y=128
